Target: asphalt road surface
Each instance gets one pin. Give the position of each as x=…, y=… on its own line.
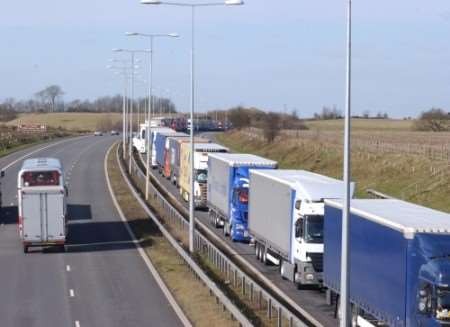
x=101, y=280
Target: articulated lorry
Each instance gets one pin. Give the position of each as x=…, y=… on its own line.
x=42, y=203
x=202, y=152
x=286, y=220
x=162, y=147
x=228, y=184
x=172, y=168
x=154, y=136
x=140, y=140
x=399, y=255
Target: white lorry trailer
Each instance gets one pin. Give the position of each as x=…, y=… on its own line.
x=42, y=203
x=290, y=233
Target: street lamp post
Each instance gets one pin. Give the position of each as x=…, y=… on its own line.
x=345, y=256
x=123, y=70
x=132, y=53
x=148, y=135
x=193, y=6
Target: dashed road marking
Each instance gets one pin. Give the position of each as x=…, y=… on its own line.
x=77, y=323
x=67, y=268
x=72, y=293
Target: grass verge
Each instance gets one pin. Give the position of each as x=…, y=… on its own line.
x=410, y=177
x=190, y=293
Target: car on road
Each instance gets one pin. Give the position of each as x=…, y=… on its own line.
x=41, y=195
x=98, y=133
x=114, y=132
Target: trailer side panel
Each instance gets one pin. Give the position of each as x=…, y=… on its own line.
x=267, y=221
x=378, y=265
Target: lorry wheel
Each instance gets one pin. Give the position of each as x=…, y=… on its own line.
x=257, y=250
x=25, y=249
x=354, y=318
x=225, y=230
x=264, y=257
x=282, y=270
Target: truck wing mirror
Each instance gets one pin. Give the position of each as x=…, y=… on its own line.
x=66, y=190
x=298, y=204
x=2, y=174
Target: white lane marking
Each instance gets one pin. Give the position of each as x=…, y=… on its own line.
x=35, y=151
x=77, y=323
x=67, y=268
x=176, y=307
x=72, y=293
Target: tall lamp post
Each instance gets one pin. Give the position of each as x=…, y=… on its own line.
x=150, y=100
x=124, y=71
x=344, y=296
x=193, y=7
x=132, y=53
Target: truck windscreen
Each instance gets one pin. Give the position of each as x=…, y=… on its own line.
x=201, y=175
x=40, y=178
x=314, y=229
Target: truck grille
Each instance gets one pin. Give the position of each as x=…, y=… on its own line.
x=204, y=191
x=316, y=260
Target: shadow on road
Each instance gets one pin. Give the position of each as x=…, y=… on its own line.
x=92, y=236
x=79, y=212
x=9, y=215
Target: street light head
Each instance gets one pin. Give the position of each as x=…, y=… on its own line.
x=131, y=34
x=117, y=50
x=234, y=2
x=173, y=35
x=150, y=2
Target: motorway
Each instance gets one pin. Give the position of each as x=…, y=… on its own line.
x=311, y=300
x=101, y=280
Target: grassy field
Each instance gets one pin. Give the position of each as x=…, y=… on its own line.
x=418, y=178
x=69, y=120
x=362, y=124
x=11, y=140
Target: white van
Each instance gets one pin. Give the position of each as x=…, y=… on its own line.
x=42, y=203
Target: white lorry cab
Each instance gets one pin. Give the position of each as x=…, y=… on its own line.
x=42, y=203
x=290, y=233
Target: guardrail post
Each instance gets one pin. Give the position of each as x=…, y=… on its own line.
x=235, y=278
x=243, y=285
x=280, y=317
x=260, y=299
x=251, y=292
x=269, y=308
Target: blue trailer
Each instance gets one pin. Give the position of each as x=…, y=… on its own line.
x=399, y=262
x=162, y=145
x=227, y=198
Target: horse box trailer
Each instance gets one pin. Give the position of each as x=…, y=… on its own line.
x=42, y=203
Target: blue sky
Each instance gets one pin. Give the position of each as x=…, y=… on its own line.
x=270, y=54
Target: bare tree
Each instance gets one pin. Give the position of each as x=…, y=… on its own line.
x=50, y=94
x=271, y=126
x=435, y=119
x=239, y=117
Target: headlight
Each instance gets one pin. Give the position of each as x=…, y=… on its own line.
x=422, y=306
x=309, y=277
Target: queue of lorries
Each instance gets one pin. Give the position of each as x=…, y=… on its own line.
x=400, y=252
